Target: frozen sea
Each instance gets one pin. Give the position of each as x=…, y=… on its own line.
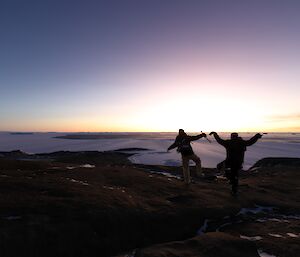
x=271, y=145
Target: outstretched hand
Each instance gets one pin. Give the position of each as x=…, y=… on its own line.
x=259, y=135
x=203, y=135
x=212, y=133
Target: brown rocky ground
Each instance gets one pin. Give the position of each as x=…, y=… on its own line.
x=55, y=205
x=209, y=245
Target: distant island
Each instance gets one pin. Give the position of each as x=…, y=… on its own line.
x=85, y=136
x=21, y=133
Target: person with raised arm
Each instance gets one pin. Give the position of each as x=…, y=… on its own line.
x=183, y=144
x=235, y=153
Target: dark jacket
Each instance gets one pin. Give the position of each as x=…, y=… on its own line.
x=235, y=149
x=183, y=144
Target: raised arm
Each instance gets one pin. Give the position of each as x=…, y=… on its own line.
x=253, y=140
x=218, y=139
x=193, y=138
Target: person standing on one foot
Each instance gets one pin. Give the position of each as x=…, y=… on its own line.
x=235, y=152
x=183, y=144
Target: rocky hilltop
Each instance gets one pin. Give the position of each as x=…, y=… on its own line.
x=99, y=204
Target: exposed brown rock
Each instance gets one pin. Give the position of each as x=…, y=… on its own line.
x=209, y=245
x=54, y=208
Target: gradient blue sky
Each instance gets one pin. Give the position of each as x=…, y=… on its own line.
x=155, y=65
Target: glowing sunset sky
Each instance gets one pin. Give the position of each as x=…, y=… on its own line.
x=150, y=65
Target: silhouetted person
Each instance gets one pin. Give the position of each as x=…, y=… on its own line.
x=235, y=152
x=183, y=144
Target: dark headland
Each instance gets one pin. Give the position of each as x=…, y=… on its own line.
x=99, y=204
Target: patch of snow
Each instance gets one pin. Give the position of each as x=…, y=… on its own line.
x=221, y=177
x=202, y=230
x=278, y=220
x=87, y=166
x=295, y=217
x=256, y=210
x=251, y=238
x=261, y=253
x=275, y=235
x=78, y=181
x=108, y=187
x=273, y=220
x=164, y=173
x=255, y=169
x=292, y=235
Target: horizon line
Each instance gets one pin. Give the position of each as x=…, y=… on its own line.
x=20, y=131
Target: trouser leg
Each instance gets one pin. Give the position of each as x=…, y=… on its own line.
x=197, y=161
x=234, y=179
x=186, y=170
x=221, y=166
x=228, y=174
